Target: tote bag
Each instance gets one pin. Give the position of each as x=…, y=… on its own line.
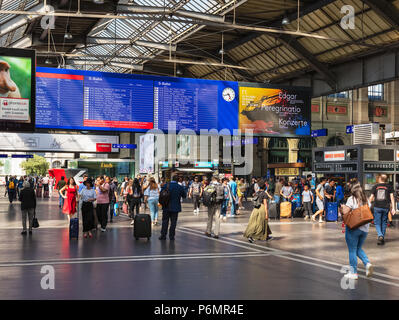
x=357, y=217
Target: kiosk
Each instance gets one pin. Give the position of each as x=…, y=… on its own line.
x=364, y=162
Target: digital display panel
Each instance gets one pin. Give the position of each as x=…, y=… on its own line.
x=196, y=104
x=88, y=100
x=275, y=111
x=82, y=100
x=17, y=89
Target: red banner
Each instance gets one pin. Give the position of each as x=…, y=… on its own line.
x=315, y=108
x=103, y=147
x=337, y=109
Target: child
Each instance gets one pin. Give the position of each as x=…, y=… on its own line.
x=307, y=200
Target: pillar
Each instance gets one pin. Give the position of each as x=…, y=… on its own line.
x=361, y=106
x=293, y=150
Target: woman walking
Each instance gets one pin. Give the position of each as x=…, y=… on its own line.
x=134, y=194
x=88, y=196
x=356, y=237
x=152, y=193
x=70, y=195
x=258, y=227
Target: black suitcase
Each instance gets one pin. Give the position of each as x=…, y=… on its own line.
x=298, y=212
x=273, y=210
x=142, y=226
x=74, y=228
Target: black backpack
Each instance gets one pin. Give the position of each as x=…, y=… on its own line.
x=257, y=200
x=209, y=196
x=164, y=197
x=219, y=193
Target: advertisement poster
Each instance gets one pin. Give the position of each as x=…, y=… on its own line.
x=269, y=111
x=15, y=89
x=147, y=153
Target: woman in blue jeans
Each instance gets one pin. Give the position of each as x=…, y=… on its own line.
x=356, y=237
x=152, y=193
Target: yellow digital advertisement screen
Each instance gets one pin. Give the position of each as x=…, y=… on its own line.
x=268, y=111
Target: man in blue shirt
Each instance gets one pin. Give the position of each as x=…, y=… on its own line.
x=233, y=196
x=176, y=192
x=81, y=187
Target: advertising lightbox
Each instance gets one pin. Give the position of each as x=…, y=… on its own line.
x=17, y=89
x=275, y=111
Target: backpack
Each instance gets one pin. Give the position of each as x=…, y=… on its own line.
x=164, y=197
x=209, y=195
x=11, y=185
x=219, y=193
x=257, y=200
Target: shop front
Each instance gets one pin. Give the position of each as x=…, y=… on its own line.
x=364, y=162
x=287, y=170
x=119, y=168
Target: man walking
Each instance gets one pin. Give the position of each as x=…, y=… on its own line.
x=28, y=205
x=214, y=208
x=233, y=196
x=384, y=201
x=176, y=193
x=195, y=193
x=113, y=197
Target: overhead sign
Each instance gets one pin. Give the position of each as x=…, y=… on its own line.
x=287, y=172
x=235, y=143
x=334, y=155
x=27, y=156
x=54, y=142
x=349, y=129
x=124, y=146
x=203, y=164
x=319, y=133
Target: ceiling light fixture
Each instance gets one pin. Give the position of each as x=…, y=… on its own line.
x=285, y=20
x=98, y=1
x=48, y=61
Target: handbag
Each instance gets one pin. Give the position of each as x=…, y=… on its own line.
x=357, y=217
x=116, y=210
x=35, y=222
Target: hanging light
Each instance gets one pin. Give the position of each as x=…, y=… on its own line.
x=285, y=20
x=221, y=51
x=48, y=61
x=98, y=1
x=68, y=35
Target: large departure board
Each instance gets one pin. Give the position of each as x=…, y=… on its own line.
x=93, y=101
x=190, y=105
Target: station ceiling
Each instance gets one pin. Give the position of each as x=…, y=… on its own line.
x=242, y=40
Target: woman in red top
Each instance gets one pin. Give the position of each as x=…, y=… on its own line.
x=70, y=195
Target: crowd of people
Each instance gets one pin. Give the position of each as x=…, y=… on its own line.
x=100, y=199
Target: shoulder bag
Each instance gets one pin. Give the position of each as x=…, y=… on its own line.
x=357, y=217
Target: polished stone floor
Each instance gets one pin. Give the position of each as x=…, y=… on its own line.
x=303, y=261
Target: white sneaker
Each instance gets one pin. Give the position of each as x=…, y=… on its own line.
x=369, y=270
x=306, y=218
x=103, y=230
x=352, y=276
x=131, y=223
x=321, y=221
x=195, y=212
x=224, y=218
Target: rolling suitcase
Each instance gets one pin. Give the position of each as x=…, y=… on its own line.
x=332, y=211
x=142, y=226
x=285, y=209
x=298, y=212
x=74, y=228
x=273, y=210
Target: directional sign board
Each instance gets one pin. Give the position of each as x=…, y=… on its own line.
x=319, y=133
x=349, y=129
x=124, y=146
